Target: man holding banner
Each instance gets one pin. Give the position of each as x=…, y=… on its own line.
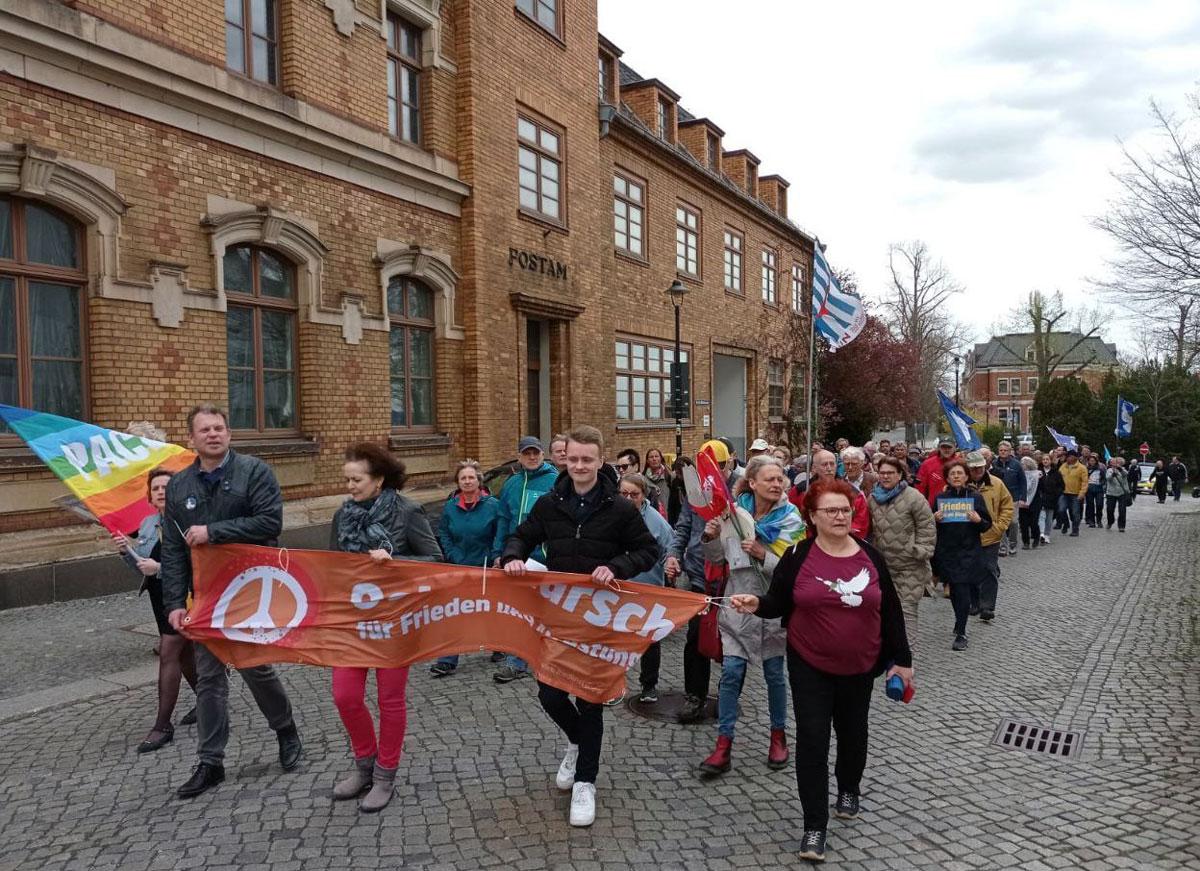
x=222, y=498
x=585, y=528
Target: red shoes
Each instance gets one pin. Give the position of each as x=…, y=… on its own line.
x=777, y=756
x=720, y=760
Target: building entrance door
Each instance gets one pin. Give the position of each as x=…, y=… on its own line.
x=729, y=400
x=537, y=380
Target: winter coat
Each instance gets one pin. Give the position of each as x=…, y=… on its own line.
x=1158, y=480
x=1075, y=479
x=613, y=535
x=931, y=479
x=517, y=497
x=408, y=531
x=243, y=506
x=1051, y=487
x=1010, y=472
x=686, y=547
x=903, y=530
x=1118, y=483
x=958, y=557
x=779, y=601
x=663, y=534
x=1001, y=509
x=1177, y=472
x=467, y=534
x=745, y=635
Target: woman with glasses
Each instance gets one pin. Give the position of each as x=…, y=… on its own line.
x=905, y=533
x=467, y=535
x=843, y=624
x=769, y=525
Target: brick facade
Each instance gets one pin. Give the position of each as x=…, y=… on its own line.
x=174, y=161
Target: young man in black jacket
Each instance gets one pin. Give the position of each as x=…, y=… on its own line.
x=222, y=498
x=585, y=527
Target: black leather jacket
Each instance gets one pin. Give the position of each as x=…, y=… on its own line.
x=244, y=507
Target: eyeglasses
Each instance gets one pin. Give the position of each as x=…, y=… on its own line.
x=835, y=512
x=621, y=467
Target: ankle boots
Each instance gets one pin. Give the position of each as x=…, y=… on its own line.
x=720, y=760
x=381, y=790
x=367, y=775
x=777, y=755
x=357, y=782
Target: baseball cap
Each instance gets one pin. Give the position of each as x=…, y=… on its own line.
x=946, y=440
x=975, y=459
x=759, y=445
x=528, y=443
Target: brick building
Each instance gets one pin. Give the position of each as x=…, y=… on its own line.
x=1000, y=380
x=435, y=224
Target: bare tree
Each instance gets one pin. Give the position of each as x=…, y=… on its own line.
x=1155, y=223
x=916, y=311
x=1043, y=316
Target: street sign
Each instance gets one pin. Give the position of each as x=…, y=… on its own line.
x=1144, y=449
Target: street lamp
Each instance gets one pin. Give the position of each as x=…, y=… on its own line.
x=956, y=362
x=677, y=291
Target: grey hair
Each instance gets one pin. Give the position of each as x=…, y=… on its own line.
x=754, y=466
x=870, y=446
x=146, y=430
x=639, y=480
x=1004, y=443
x=1029, y=464
x=853, y=453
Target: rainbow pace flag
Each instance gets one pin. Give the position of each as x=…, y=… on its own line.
x=105, y=469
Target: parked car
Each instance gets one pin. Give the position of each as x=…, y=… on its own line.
x=1143, y=484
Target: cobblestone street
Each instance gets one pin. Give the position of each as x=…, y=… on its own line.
x=1097, y=634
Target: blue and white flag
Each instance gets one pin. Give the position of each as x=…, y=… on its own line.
x=960, y=424
x=1065, y=441
x=1125, y=410
x=839, y=316
x=1107, y=455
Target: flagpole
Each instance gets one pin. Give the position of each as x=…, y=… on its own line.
x=812, y=380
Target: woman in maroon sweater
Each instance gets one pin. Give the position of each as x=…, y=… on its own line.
x=844, y=628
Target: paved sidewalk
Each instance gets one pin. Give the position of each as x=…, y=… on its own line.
x=1097, y=634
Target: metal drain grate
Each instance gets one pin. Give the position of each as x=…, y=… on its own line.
x=1013, y=735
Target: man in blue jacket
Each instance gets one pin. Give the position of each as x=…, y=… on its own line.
x=534, y=477
x=1008, y=469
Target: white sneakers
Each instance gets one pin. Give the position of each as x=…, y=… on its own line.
x=583, y=804
x=565, y=778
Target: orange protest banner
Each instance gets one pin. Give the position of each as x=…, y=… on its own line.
x=254, y=605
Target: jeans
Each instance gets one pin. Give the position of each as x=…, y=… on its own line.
x=1176, y=489
x=1093, y=503
x=1117, y=504
x=983, y=594
x=1070, y=506
x=733, y=675
x=820, y=699
x=697, y=669
x=515, y=662
x=212, y=702
x=1049, y=518
x=583, y=724
x=651, y=660
x=349, y=691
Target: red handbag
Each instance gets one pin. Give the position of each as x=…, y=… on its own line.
x=708, y=640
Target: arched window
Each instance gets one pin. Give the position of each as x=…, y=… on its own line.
x=42, y=337
x=260, y=329
x=410, y=310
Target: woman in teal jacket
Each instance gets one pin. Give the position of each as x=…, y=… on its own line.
x=467, y=534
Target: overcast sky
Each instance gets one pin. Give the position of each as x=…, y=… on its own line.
x=988, y=133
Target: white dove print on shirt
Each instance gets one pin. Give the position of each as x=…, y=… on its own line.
x=849, y=590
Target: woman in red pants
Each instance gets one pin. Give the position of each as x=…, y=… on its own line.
x=378, y=521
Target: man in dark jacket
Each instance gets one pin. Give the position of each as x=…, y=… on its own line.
x=1177, y=473
x=1008, y=469
x=222, y=498
x=585, y=528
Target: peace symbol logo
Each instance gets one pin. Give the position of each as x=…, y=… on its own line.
x=277, y=593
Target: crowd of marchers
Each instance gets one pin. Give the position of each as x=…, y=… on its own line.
x=814, y=571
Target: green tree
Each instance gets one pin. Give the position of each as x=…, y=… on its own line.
x=1069, y=406
x=1168, y=415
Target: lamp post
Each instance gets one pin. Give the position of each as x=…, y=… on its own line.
x=677, y=291
x=956, y=362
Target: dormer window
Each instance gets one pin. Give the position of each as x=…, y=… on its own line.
x=714, y=153
x=606, y=68
x=662, y=118
x=1031, y=354
x=751, y=179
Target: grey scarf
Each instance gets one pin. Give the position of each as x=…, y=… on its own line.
x=362, y=528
